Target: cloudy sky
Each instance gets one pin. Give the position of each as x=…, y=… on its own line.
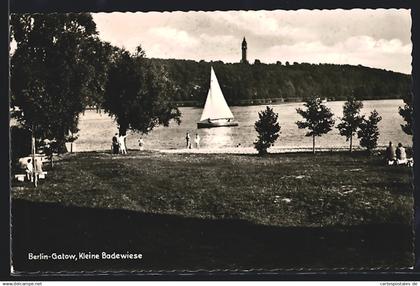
x=375, y=38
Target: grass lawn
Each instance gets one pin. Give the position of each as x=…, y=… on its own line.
x=219, y=211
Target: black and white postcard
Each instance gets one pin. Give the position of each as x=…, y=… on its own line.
x=212, y=141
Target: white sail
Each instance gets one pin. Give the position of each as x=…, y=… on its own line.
x=215, y=106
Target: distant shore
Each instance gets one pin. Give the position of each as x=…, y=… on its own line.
x=255, y=101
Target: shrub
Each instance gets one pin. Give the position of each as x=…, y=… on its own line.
x=268, y=130
x=317, y=118
x=369, y=131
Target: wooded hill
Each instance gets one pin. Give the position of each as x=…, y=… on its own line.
x=264, y=83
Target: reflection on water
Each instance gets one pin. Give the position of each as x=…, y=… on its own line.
x=217, y=137
x=96, y=130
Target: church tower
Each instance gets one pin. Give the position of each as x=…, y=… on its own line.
x=244, y=48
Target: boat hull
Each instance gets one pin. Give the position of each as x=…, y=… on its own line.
x=211, y=124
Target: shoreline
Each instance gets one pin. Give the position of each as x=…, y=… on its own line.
x=252, y=150
x=239, y=150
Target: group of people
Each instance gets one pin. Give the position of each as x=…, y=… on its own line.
x=119, y=144
x=397, y=156
x=189, y=144
x=32, y=170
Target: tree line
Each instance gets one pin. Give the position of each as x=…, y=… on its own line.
x=295, y=82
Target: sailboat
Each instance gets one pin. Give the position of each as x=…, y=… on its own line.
x=216, y=112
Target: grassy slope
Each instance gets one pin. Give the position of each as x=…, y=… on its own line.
x=325, y=189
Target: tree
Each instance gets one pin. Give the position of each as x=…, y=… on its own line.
x=351, y=119
x=407, y=113
x=369, y=132
x=268, y=130
x=244, y=82
x=20, y=143
x=139, y=94
x=318, y=119
x=58, y=66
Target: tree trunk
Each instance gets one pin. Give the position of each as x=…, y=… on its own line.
x=122, y=130
x=61, y=146
x=262, y=152
x=34, y=177
x=71, y=143
x=313, y=144
x=351, y=143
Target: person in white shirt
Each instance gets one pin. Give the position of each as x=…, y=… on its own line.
x=29, y=170
x=401, y=155
x=197, y=141
x=121, y=142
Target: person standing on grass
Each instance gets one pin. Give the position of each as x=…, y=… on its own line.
x=391, y=154
x=188, y=140
x=121, y=142
x=197, y=141
x=115, y=145
x=124, y=139
x=29, y=170
x=141, y=144
x=401, y=154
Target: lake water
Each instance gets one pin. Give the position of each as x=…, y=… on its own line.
x=96, y=130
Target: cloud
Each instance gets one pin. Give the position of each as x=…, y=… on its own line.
x=362, y=50
x=174, y=36
x=378, y=38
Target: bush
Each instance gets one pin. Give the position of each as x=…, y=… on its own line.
x=268, y=130
x=369, y=131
